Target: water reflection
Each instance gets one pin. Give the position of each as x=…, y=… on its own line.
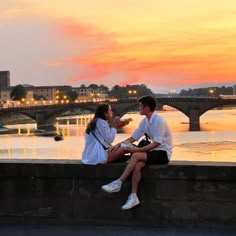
x=217, y=142
x=213, y=120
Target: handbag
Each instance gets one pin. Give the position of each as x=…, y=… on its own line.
x=145, y=141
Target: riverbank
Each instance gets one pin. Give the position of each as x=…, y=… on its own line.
x=36, y=132
x=4, y=130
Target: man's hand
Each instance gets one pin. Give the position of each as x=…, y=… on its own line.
x=132, y=150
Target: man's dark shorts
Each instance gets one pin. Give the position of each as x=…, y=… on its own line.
x=157, y=157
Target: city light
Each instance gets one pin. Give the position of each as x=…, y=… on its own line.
x=173, y=92
x=132, y=94
x=212, y=92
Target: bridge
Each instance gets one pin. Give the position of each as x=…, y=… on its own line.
x=45, y=115
x=193, y=108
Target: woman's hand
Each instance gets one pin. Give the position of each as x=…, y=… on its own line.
x=118, y=123
x=114, y=148
x=124, y=122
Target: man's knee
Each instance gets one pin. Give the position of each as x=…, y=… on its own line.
x=139, y=166
x=137, y=156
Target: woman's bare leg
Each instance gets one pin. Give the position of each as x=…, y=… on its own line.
x=115, y=154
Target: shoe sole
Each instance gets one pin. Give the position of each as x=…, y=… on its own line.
x=130, y=207
x=114, y=191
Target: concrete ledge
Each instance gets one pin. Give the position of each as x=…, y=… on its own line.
x=48, y=191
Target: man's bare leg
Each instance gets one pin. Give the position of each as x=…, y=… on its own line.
x=137, y=175
x=136, y=157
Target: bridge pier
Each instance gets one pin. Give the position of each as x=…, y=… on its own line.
x=42, y=121
x=194, y=120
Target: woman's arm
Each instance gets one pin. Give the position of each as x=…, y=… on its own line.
x=106, y=132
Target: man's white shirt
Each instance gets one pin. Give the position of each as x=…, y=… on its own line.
x=158, y=130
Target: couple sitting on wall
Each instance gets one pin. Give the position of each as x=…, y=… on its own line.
x=98, y=148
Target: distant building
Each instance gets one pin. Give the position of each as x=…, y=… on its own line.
x=88, y=95
x=234, y=89
x=47, y=93
x=4, y=79
x=43, y=92
x=5, y=98
x=5, y=94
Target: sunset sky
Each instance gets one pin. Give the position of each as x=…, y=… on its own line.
x=165, y=44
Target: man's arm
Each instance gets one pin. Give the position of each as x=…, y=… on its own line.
x=128, y=140
x=143, y=149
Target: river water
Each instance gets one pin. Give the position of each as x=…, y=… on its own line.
x=216, y=142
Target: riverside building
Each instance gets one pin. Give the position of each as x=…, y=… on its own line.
x=4, y=79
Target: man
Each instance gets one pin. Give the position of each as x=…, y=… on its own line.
x=157, y=152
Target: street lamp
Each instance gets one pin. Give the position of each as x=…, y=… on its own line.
x=172, y=92
x=211, y=92
x=22, y=101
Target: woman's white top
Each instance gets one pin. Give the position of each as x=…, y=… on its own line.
x=158, y=130
x=94, y=152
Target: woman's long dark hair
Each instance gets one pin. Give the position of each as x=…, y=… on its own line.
x=99, y=113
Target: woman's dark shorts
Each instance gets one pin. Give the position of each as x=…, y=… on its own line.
x=157, y=157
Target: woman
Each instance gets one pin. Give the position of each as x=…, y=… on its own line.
x=99, y=136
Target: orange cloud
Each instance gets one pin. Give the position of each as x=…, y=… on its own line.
x=166, y=62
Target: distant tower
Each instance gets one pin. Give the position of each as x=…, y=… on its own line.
x=4, y=79
x=234, y=89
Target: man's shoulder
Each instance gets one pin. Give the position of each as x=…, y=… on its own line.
x=143, y=120
x=157, y=118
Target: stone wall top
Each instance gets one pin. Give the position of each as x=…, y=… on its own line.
x=74, y=169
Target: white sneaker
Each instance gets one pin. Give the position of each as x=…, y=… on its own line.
x=112, y=187
x=131, y=202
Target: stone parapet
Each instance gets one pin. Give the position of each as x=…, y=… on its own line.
x=67, y=192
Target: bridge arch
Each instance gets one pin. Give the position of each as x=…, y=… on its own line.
x=7, y=117
x=45, y=115
x=118, y=110
x=193, y=108
x=51, y=118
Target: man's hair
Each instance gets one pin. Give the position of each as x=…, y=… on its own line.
x=148, y=101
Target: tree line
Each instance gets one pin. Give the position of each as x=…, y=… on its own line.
x=210, y=91
x=19, y=92
x=123, y=92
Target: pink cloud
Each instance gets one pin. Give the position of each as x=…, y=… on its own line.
x=82, y=30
